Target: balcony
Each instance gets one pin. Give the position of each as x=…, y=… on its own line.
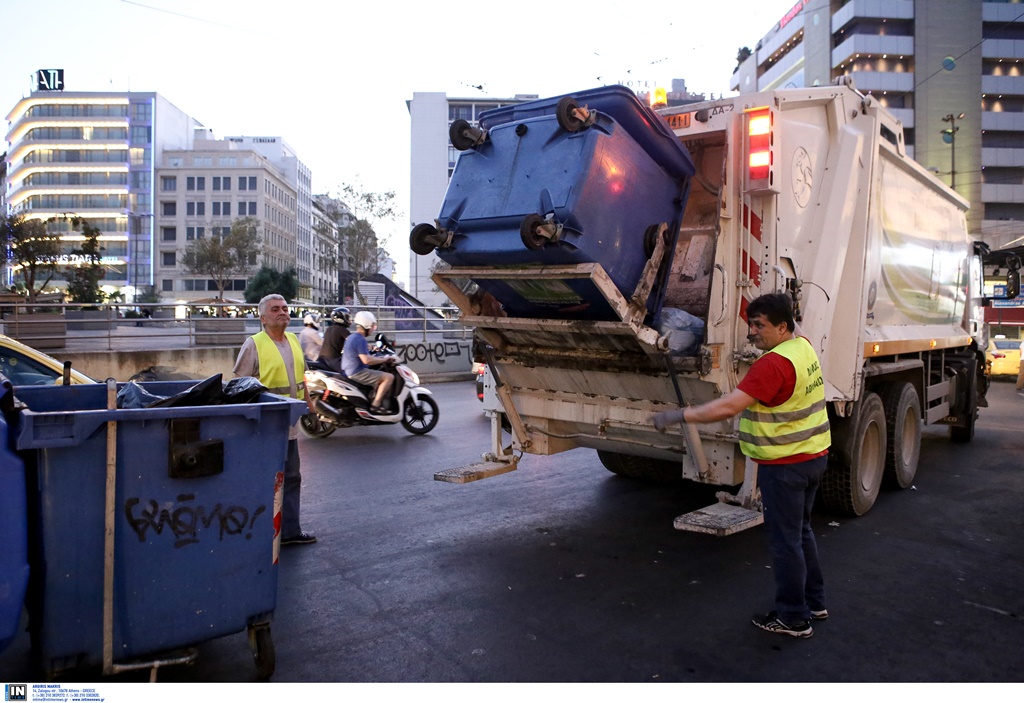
x=872, y=45
x=1002, y=121
x=1002, y=85
x=882, y=9
x=881, y=81
x=1002, y=193
x=1002, y=49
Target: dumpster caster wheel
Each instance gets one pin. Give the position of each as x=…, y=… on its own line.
x=420, y=238
x=529, y=230
x=565, y=113
x=262, y=651
x=465, y=136
x=651, y=239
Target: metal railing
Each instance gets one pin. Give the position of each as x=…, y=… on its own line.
x=117, y=326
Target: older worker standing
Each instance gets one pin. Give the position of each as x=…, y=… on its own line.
x=275, y=358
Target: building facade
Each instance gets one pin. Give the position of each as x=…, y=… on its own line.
x=432, y=162
x=325, y=256
x=951, y=71
x=201, y=192
x=93, y=155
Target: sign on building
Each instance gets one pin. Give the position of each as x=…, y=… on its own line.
x=50, y=79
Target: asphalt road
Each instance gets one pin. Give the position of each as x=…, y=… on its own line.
x=562, y=572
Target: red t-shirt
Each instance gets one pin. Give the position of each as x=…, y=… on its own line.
x=770, y=381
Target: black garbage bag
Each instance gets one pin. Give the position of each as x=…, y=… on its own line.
x=245, y=389
x=132, y=396
x=206, y=392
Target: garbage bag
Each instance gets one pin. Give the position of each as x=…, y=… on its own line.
x=132, y=396
x=245, y=389
x=207, y=392
x=684, y=331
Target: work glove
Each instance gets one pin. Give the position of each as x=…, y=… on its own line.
x=666, y=418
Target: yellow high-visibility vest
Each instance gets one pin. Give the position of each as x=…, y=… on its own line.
x=797, y=426
x=273, y=373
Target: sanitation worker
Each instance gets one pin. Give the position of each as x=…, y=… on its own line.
x=784, y=429
x=275, y=358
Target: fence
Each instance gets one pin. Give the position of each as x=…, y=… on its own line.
x=185, y=325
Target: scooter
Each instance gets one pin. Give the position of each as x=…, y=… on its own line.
x=341, y=402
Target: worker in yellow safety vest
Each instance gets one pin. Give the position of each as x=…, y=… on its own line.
x=784, y=428
x=274, y=357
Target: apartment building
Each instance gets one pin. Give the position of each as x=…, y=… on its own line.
x=951, y=71
x=202, y=191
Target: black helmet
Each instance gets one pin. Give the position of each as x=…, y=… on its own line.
x=341, y=316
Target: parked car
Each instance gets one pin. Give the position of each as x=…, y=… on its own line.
x=24, y=366
x=1003, y=356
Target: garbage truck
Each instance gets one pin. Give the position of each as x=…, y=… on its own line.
x=806, y=191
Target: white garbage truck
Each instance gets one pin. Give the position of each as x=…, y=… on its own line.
x=806, y=191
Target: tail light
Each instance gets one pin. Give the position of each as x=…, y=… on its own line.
x=761, y=150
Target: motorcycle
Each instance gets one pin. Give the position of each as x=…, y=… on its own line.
x=341, y=402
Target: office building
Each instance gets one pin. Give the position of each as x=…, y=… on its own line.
x=93, y=154
x=951, y=71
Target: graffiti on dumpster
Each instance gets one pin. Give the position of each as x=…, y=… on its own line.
x=184, y=520
x=436, y=352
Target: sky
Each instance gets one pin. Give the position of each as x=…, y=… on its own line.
x=332, y=78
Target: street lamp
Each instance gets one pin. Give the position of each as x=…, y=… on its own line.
x=949, y=136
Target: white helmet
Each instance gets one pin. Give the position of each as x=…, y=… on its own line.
x=311, y=318
x=365, y=319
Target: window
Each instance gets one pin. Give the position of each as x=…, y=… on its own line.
x=168, y=258
x=194, y=232
x=197, y=209
x=216, y=182
x=227, y=209
x=252, y=182
x=200, y=182
x=227, y=182
x=167, y=285
x=168, y=209
x=169, y=183
x=190, y=183
x=216, y=209
x=252, y=207
x=169, y=234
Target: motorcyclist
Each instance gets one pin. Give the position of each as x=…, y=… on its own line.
x=334, y=338
x=356, y=360
x=309, y=338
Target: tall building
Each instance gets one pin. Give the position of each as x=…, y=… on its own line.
x=431, y=166
x=326, y=256
x=93, y=155
x=951, y=71
x=202, y=191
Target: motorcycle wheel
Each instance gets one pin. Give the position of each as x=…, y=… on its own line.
x=312, y=426
x=420, y=417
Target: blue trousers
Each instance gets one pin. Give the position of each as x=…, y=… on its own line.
x=290, y=526
x=787, y=496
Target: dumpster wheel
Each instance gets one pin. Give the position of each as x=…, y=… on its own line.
x=262, y=645
x=565, y=113
x=651, y=239
x=529, y=231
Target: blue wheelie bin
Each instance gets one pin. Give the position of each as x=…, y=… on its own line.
x=14, y=569
x=195, y=503
x=550, y=184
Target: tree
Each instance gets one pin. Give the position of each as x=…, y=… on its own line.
x=363, y=251
x=268, y=280
x=32, y=249
x=84, y=279
x=742, y=54
x=224, y=256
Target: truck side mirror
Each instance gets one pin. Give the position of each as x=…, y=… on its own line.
x=1012, y=284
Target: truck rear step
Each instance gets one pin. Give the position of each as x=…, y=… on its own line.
x=476, y=472
x=720, y=519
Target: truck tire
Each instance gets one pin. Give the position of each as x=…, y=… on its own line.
x=902, y=434
x=856, y=463
x=641, y=467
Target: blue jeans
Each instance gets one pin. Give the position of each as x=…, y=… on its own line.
x=787, y=496
x=290, y=526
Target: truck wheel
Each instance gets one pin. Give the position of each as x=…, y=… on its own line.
x=856, y=459
x=641, y=467
x=902, y=434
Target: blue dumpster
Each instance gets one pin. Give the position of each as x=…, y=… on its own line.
x=14, y=528
x=546, y=188
x=196, y=533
